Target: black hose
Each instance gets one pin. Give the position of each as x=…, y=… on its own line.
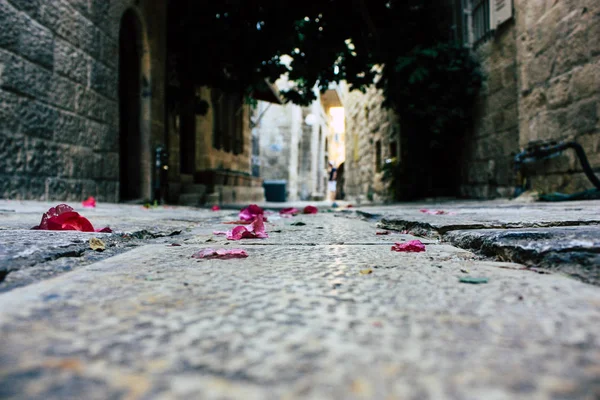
x=538, y=153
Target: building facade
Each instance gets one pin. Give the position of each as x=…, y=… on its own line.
x=295, y=144
x=60, y=114
x=91, y=105
x=542, y=65
x=541, y=62
x=372, y=137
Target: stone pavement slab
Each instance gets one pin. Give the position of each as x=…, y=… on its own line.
x=27, y=255
x=312, y=229
x=483, y=215
x=120, y=217
x=561, y=236
x=293, y=321
x=570, y=250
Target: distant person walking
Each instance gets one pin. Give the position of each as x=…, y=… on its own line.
x=331, y=185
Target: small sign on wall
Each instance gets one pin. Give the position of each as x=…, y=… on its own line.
x=502, y=11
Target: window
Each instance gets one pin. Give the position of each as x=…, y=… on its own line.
x=393, y=149
x=481, y=20
x=228, y=121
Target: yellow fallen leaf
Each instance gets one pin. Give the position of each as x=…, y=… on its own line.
x=366, y=271
x=97, y=244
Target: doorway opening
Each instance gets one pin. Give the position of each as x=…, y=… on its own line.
x=130, y=137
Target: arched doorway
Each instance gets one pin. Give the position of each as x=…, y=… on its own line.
x=130, y=107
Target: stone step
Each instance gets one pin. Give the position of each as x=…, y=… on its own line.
x=187, y=179
x=191, y=199
x=239, y=194
x=196, y=188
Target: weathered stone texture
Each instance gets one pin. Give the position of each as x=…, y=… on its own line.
x=542, y=84
x=367, y=124
x=284, y=149
x=47, y=49
x=486, y=164
x=59, y=83
x=559, y=94
x=275, y=140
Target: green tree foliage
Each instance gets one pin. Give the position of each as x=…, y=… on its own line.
x=404, y=46
x=237, y=43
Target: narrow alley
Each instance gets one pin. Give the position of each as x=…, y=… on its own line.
x=322, y=308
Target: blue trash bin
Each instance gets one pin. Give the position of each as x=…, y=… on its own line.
x=275, y=190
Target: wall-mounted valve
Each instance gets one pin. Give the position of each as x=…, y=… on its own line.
x=161, y=169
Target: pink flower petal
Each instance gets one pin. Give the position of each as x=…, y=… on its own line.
x=89, y=203
x=258, y=227
x=413, y=246
x=237, y=233
x=310, y=210
x=289, y=211
x=221, y=254
x=436, y=212
x=250, y=212
x=215, y=208
x=255, y=230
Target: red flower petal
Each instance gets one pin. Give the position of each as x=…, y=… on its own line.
x=215, y=208
x=64, y=218
x=413, y=246
x=52, y=212
x=70, y=221
x=90, y=202
x=310, y=210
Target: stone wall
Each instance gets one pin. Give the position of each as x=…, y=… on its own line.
x=293, y=150
x=559, y=98
x=280, y=131
x=542, y=84
x=489, y=148
x=369, y=128
x=58, y=97
x=210, y=158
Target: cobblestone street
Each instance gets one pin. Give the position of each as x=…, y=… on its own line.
x=321, y=309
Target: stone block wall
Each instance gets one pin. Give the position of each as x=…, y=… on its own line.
x=559, y=98
x=489, y=148
x=58, y=96
x=369, y=128
x=208, y=157
x=279, y=132
x=275, y=140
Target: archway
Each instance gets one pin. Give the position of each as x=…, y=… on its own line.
x=133, y=135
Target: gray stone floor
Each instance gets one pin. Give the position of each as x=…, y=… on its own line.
x=563, y=237
x=300, y=318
